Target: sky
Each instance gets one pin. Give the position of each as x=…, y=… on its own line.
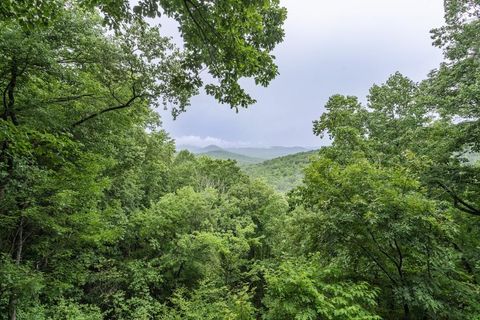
x=330, y=47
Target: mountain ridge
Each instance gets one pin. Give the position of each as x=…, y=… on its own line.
x=262, y=153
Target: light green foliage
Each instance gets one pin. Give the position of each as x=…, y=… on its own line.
x=299, y=289
x=211, y=302
x=183, y=241
x=69, y=310
x=21, y=281
x=29, y=13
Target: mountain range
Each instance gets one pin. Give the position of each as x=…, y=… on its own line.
x=244, y=155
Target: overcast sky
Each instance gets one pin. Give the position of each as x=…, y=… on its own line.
x=330, y=47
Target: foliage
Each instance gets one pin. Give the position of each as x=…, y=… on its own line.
x=225, y=155
x=299, y=289
x=390, y=202
x=211, y=302
x=102, y=219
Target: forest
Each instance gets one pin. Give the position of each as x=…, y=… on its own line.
x=282, y=173
x=102, y=218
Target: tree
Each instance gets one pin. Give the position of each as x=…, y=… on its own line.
x=62, y=83
x=377, y=222
x=452, y=91
x=232, y=39
x=383, y=187
x=73, y=94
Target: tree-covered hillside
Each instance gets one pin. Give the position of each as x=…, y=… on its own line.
x=283, y=173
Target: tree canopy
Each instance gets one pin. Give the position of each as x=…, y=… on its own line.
x=101, y=218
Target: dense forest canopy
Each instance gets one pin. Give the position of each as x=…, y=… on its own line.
x=101, y=218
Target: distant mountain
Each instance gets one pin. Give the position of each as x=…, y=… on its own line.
x=224, y=155
x=210, y=148
x=268, y=152
x=283, y=173
x=265, y=153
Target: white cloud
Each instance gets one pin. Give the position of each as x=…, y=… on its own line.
x=197, y=141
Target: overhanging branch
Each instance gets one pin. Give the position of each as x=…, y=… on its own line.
x=96, y=114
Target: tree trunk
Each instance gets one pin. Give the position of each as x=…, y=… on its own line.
x=12, y=304
x=8, y=104
x=12, y=308
x=406, y=312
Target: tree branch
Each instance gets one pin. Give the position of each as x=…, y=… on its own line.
x=400, y=256
x=70, y=98
x=96, y=114
x=379, y=264
x=383, y=251
x=458, y=202
x=202, y=32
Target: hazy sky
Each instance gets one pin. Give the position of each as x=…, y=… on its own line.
x=330, y=47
